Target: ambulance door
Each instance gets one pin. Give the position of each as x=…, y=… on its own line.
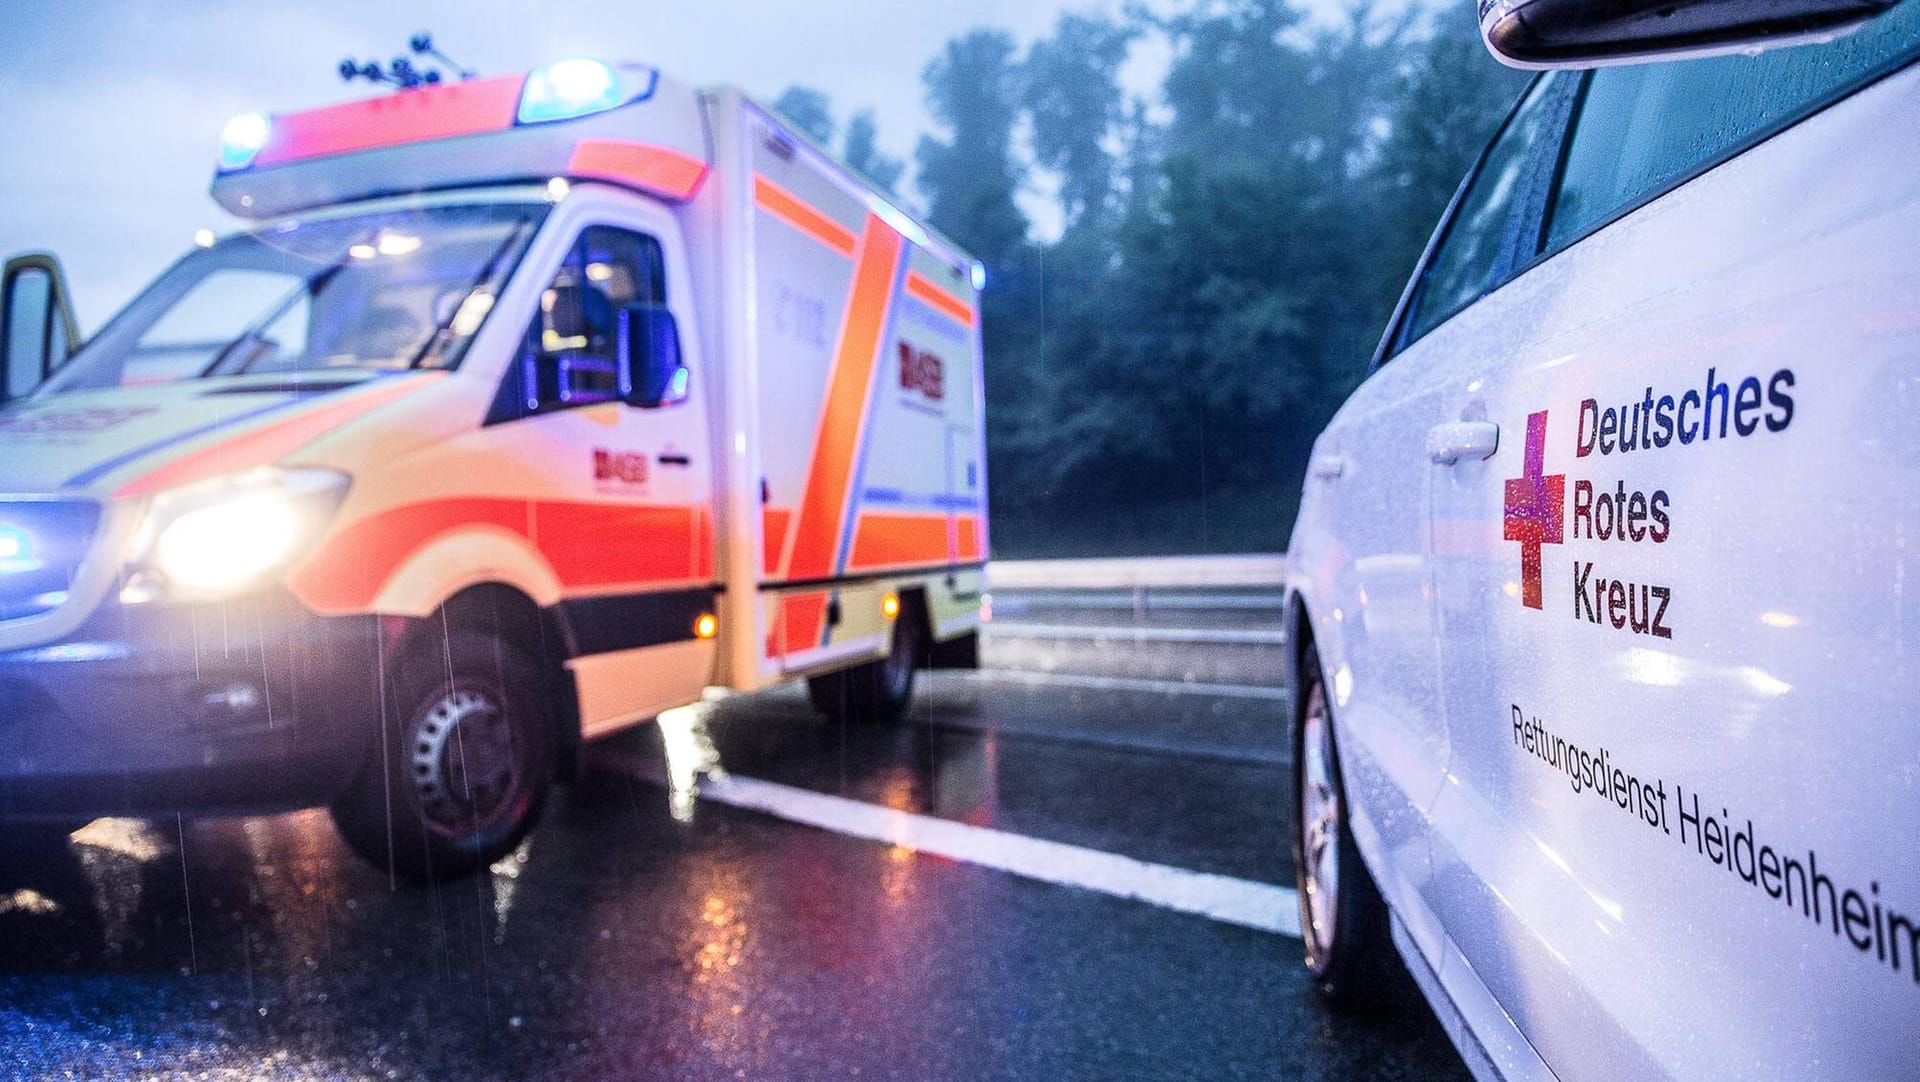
x=624, y=519
x=1672, y=601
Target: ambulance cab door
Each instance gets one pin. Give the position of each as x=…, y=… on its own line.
x=626, y=521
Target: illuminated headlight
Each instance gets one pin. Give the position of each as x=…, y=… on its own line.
x=570, y=88
x=242, y=138
x=222, y=537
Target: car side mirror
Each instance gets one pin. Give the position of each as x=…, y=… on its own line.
x=37, y=329
x=654, y=373
x=1590, y=33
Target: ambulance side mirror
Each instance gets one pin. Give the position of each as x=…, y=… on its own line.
x=37, y=329
x=1585, y=33
x=649, y=342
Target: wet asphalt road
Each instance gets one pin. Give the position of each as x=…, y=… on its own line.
x=624, y=942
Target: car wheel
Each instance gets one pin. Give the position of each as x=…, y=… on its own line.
x=463, y=770
x=1343, y=921
x=876, y=691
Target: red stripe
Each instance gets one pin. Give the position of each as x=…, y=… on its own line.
x=969, y=542
x=658, y=545
x=895, y=540
x=263, y=445
x=801, y=616
x=657, y=169
x=773, y=539
x=411, y=116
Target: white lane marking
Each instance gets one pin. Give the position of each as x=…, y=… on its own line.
x=1120, y=683
x=1209, y=636
x=1224, y=898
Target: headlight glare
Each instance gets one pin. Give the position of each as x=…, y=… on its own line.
x=219, y=538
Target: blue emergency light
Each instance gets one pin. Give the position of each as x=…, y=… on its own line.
x=17, y=551
x=569, y=88
x=242, y=139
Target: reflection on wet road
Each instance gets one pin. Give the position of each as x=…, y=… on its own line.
x=640, y=935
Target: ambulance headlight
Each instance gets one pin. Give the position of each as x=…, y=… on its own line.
x=242, y=138
x=570, y=88
x=218, y=538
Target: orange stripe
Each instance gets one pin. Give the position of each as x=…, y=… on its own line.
x=843, y=414
x=657, y=169
x=823, y=508
x=264, y=445
x=660, y=545
x=787, y=207
x=415, y=116
x=773, y=537
x=923, y=288
x=969, y=547
x=898, y=540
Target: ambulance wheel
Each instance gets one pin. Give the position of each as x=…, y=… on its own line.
x=877, y=691
x=1343, y=921
x=463, y=770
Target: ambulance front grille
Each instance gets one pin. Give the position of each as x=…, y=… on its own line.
x=42, y=542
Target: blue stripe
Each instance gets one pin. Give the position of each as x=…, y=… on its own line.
x=89, y=476
x=937, y=500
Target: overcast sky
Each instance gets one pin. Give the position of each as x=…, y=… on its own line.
x=113, y=107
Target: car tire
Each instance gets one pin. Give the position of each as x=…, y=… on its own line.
x=463, y=768
x=1343, y=921
x=878, y=691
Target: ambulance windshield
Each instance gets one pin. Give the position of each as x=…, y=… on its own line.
x=397, y=289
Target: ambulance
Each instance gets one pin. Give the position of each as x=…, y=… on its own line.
x=522, y=410
x=1604, y=591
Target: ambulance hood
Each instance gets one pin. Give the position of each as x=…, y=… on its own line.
x=128, y=441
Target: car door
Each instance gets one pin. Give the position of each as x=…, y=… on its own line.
x=1361, y=546
x=1673, y=603
x=624, y=514
x=1363, y=541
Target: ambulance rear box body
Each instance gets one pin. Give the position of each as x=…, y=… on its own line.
x=537, y=406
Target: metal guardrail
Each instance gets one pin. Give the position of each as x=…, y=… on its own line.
x=1252, y=571
x=1195, y=584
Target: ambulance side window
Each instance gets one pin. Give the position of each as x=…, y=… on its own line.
x=568, y=357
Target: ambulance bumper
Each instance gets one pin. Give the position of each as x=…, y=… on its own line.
x=254, y=705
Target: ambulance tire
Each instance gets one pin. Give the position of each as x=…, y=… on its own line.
x=464, y=768
x=1343, y=921
x=876, y=692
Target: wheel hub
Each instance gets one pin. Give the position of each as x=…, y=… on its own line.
x=1320, y=828
x=462, y=762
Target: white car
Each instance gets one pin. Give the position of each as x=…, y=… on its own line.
x=1604, y=586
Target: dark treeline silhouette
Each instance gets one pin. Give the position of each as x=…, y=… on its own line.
x=1226, y=259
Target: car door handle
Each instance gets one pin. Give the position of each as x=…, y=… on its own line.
x=1470, y=440
x=675, y=460
x=1327, y=467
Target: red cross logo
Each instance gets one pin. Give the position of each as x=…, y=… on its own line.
x=1534, y=505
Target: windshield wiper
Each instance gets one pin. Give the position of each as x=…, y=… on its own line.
x=253, y=330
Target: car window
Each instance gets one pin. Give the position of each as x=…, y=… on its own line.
x=27, y=328
x=1496, y=227
x=1642, y=129
x=569, y=355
